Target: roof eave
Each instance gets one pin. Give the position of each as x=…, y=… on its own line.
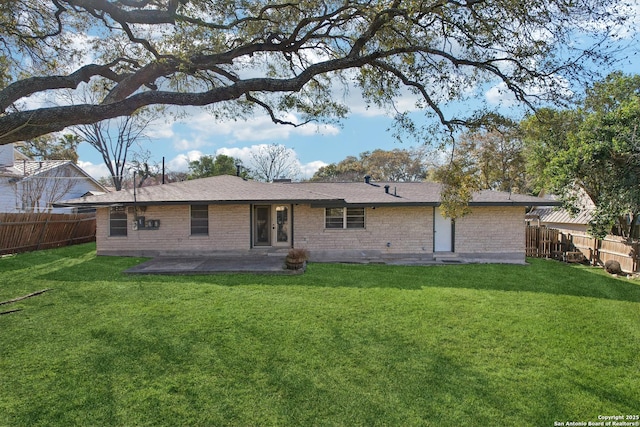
x=344, y=203
x=195, y=202
x=313, y=203
x=514, y=203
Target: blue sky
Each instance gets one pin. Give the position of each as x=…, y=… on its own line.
x=198, y=133
x=314, y=145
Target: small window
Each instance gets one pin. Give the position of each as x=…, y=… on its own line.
x=344, y=218
x=334, y=218
x=355, y=217
x=117, y=221
x=199, y=220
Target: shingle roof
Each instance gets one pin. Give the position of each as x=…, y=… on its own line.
x=554, y=214
x=26, y=168
x=560, y=216
x=231, y=189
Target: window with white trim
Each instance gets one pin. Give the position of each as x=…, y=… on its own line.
x=199, y=220
x=118, y=221
x=344, y=218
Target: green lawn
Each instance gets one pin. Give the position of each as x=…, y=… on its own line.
x=347, y=345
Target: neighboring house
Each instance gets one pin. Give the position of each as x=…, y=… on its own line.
x=34, y=186
x=563, y=220
x=333, y=221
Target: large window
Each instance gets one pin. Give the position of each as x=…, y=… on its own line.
x=117, y=221
x=199, y=220
x=344, y=218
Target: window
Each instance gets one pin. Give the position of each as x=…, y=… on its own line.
x=334, y=218
x=117, y=221
x=344, y=218
x=199, y=220
x=355, y=217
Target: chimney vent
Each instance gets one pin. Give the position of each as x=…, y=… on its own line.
x=367, y=179
x=386, y=188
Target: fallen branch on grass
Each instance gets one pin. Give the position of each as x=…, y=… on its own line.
x=25, y=297
x=10, y=311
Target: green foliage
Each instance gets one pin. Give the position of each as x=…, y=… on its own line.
x=292, y=61
x=494, y=157
x=458, y=186
x=545, y=136
x=471, y=345
x=609, y=94
x=380, y=165
x=490, y=156
x=596, y=149
x=214, y=166
x=52, y=147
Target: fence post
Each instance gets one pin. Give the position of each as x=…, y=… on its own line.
x=72, y=235
x=42, y=233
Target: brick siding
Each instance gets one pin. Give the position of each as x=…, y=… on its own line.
x=492, y=230
x=487, y=231
x=405, y=229
x=228, y=230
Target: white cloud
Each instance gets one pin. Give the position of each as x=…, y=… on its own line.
x=622, y=21
x=308, y=169
x=203, y=130
x=500, y=95
x=160, y=129
x=317, y=128
x=198, y=141
x=96, y=171
x=180, y=163
x=631, y=27
x=241, y=153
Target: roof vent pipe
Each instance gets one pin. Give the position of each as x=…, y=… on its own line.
x=367, y=179
x=238, y=169
x=386, y=189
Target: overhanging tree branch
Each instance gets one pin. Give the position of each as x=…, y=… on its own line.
x=196, y=53
x=32, y=85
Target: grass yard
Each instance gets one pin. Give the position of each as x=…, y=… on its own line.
x=346, y=345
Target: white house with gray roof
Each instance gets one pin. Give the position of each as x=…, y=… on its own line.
x=27, y=185
x=334, y=221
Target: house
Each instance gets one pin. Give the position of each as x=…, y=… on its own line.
x=561, y=219
x=577, y=222
x=34, y=186
x=333, y=221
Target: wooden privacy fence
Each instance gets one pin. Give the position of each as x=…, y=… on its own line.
x=543, y=242
x=29, y=232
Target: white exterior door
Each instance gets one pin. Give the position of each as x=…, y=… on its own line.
x=442, y=232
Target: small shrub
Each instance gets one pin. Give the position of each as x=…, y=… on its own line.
x=296, y=258
x=298, y=254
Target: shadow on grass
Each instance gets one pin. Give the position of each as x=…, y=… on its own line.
x=540, y=276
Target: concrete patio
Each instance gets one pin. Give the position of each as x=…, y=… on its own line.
x=272, y=262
